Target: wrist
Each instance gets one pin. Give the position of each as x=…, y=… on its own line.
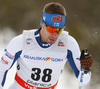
x=86, y=69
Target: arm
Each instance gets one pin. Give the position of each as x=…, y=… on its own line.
x=10, y=55
x=74, y=59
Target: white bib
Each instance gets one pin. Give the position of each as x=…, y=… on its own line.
x=41, y=67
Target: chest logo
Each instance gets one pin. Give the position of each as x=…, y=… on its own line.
x=43, y=58
x=29, y=41
x=60, y=43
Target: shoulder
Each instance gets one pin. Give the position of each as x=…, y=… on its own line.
x=15, y=44
x=16, y=40
x=64, y=32
x=29, y=31
x=72, y=40
x=64, y=35
x=72, y=44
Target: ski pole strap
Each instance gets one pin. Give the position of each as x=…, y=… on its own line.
x=25, y=85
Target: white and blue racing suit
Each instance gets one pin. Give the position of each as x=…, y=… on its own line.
x=40, y=65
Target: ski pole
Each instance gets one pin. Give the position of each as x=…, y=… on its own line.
x=81, y=79
x=82, y=73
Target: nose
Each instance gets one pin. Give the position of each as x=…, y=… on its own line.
x=54, y=34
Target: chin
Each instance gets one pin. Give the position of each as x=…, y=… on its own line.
x=51, y=42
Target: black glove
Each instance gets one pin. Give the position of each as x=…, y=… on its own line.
x=86, y=61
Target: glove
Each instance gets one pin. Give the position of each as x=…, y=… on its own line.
x=86, y=61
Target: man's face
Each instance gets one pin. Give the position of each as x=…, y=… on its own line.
x=47, y=37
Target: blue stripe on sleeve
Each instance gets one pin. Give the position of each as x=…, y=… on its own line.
x=17, y=55
x=72, y=64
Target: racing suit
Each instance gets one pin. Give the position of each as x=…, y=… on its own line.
x=39, y=65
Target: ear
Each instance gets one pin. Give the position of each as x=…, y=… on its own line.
x=41, y=24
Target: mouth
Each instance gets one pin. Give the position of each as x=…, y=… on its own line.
x=52, y=40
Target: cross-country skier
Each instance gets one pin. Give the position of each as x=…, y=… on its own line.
x=42, y=53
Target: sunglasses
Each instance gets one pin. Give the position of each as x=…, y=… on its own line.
x=53, y=29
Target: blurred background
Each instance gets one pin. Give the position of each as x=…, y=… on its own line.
x=82, y=22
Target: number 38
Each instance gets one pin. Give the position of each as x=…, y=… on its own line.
x=46, y=74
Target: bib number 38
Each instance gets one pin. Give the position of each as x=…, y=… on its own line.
x=37, y=72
